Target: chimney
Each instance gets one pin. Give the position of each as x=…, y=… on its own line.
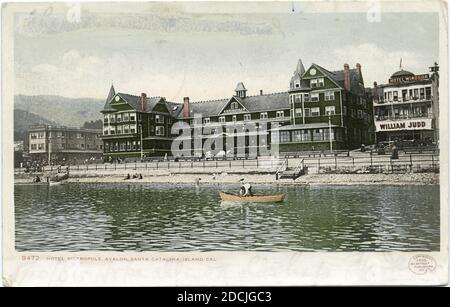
x=347, y=77
x=143, y=102
x=358, y=66
x=186, y=112
x=260, y=92
x=375, y=89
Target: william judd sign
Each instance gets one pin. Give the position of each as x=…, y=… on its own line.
x=421, y=124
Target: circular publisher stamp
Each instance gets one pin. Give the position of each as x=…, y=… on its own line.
x=421, y=264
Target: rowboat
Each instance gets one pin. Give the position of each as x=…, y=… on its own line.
x=252, y=199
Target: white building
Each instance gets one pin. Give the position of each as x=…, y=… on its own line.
x=406, y=109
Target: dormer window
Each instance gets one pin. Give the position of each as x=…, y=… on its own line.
x=206, y=120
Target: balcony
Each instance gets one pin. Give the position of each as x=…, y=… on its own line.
x=403, y=100
x=403, y=117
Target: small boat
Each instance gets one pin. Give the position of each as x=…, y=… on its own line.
x=252, y=199
x=52, y=183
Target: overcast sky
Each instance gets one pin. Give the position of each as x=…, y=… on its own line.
x=174, y=53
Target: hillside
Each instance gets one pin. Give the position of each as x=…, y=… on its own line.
x=24, y=119
x=73, y=112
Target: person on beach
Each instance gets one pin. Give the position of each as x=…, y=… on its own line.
x=127, y=177
x=197, y=181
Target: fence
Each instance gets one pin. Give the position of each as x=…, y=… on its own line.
x=264, y=164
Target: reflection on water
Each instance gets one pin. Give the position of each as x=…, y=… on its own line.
x=168, y=217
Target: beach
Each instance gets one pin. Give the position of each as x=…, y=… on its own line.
x=338, y=179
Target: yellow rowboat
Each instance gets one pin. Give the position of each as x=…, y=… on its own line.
x=252, y=199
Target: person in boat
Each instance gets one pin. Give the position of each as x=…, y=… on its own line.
x=246, y=189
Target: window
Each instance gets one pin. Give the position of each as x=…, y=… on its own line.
x=404, y=94
x=33, y=136
x=126, y=117
x=315, y=111
x=234, y=118
x=126, y=129
x=416, y=93
x=296, y=98
x=320, y=82
x=119, y=118
x=247, y=117
x=306, y=97
x=297, y=84
x=128, y=145
x=112, y=118
x=132, y=128
x=360, y=114
x=428, y=92
x=344, y=110
x=263, y=115
x=221, y=119
x=41, y=146
x=306, y=135
x=285, y=136
x=159, y=119
x=105, y=119
x=234, y=105
x=206, y=120
x=105, y=132
x=329, y=96
x=317, y=135
x=330, y=110
x=119, y=130
x=112, y=130
x=313, y=83
x=297, y=135
x=33, y=146
x=395, y=95
x=307, y=112
x=314, y=97
x=280, y=114
x=132, y=117
x=159, y=130
x=422, y=93
x=298, y=112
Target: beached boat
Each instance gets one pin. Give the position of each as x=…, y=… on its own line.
x=252, y=199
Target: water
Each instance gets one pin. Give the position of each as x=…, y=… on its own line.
x=170, y=217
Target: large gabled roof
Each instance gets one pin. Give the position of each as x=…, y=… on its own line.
x=135, y=102
x=338, y=76
x=275, y=101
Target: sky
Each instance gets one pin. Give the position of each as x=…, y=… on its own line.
x=171, y=51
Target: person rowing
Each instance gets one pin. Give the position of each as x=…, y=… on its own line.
x=246, y=189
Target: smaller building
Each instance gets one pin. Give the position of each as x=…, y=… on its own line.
x=406, y=109
x=64, y=145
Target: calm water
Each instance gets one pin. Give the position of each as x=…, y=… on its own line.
x=148, y=217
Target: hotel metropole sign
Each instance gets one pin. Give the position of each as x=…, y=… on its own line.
x=405, y=79
x=412, y=124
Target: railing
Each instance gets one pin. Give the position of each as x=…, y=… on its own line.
x=372, y=162
x=409, y=162
x=402, y=117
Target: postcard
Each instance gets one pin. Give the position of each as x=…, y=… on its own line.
x=225, y=143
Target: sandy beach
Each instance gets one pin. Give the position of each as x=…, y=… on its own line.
x=338, y=179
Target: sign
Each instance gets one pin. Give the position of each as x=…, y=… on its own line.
x=404, y=79
x=411, y=124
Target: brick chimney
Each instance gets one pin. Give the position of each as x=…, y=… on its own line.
x=143, y=102
x=347, y=77
x=261, y=92
x=186, y=111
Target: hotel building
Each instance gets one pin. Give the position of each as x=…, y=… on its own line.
x=406, y=108
x=322, y=110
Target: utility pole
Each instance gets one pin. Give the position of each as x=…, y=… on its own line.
x=49, y=148
x=142, y=144
x=329, y=132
